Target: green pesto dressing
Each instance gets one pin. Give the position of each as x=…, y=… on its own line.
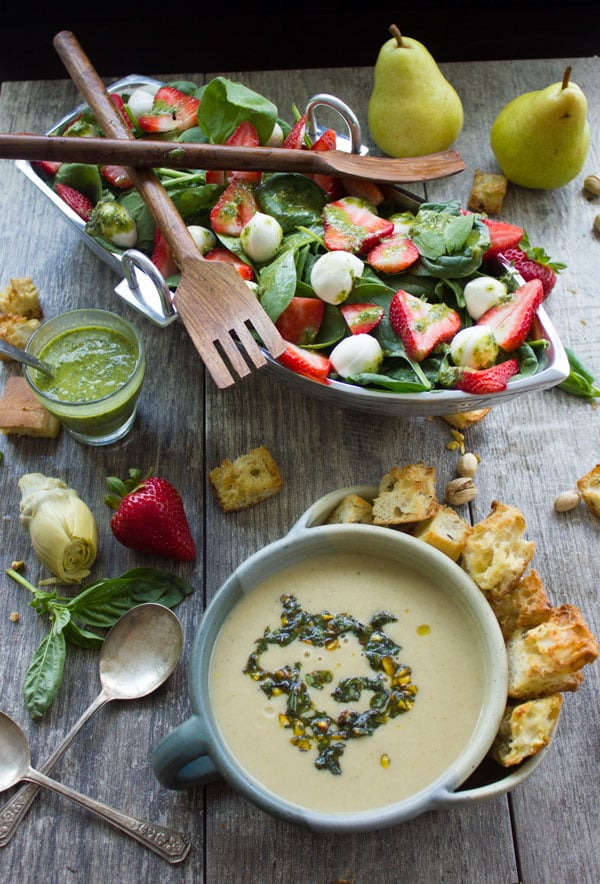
x=89, y=363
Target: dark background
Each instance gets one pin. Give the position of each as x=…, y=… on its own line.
x=123, y=39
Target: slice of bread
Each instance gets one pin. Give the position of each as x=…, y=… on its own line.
x=248, y=480
x=446, y=530
x=406, y=495
x=589, y=487
x=547, y=659
x=352, y=509
x=22, y=415
x=495, y=555
x=524, y=606
x=526, y=729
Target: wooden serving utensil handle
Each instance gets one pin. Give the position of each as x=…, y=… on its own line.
x=151, y=190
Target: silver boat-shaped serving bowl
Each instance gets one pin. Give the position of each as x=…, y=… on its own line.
x=143, y=288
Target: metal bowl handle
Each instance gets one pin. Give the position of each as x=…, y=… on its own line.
x=323, y=99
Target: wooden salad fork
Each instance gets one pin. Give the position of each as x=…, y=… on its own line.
x=217, y=308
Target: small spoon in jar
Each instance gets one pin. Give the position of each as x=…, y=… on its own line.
x=15, y=765
x=139, y=653
x=21, y=356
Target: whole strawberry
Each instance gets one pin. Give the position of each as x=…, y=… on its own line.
x=150, y=516
x=533, y=263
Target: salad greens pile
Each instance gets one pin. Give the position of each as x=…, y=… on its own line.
x=452, y=244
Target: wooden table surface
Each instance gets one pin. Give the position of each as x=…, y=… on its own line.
x=531, y=448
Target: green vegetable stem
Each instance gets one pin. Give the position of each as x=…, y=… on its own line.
x=98, y=606
x=581, y=381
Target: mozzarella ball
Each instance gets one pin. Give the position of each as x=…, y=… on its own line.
x=333, y=275
x=402, y=222
x=203, y=237
x=355, y=355
x=141, y=100
x=482, y=294
x=261, y=237
x=276, y=137
x=475, y=347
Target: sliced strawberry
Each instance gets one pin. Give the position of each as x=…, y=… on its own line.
x=172, y=111
x=50, y=167
x=306, y=362
x=502, y=235
x=421, y=326
x=76, y=200
x=246, y=135
x=362, y=318
x=351, y=225
x=120, y=106
x=534, y=264
x=393, y=254
x=227, y=257
x=117, y=176
x=331, y=185
x=511, y=320
x=366, y=190
x=295, y=137
x=233, y=209
x=161, y=255
x=301, y=320
x=487, y=380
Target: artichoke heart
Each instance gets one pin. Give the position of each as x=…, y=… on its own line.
x=63, y=530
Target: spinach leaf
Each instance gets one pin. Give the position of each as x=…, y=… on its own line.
x=225, y=104
x=277, y=282
x=293, y=199
x=83, y=177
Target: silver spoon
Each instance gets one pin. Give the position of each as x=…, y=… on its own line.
x=21, y=356
x=137, y=656
x=15, y=765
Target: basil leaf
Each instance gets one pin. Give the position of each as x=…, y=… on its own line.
x=82, y=638
x=101, y=603
x=44, y=676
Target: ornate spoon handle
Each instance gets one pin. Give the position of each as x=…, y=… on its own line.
x=13, y=811
x=168, y=844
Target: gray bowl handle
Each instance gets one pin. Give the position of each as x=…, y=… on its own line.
x=182, y=759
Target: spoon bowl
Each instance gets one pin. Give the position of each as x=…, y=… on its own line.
x=139, y=653
x=15, y=765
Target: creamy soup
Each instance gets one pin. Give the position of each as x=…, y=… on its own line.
x=432, y=673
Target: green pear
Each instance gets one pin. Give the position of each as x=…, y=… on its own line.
x=413, y=110
x=541, y=139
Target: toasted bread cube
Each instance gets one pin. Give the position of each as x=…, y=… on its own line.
x=589, y=486
x=352, y=509
x=16, y=330
x=526, y=729
x=547, y=658
x=526, y=605
x=487, y=192
x=22, y=415
x=446, y=530
x=496, y=556
x=406, y=495
x=463, y=419
x=248, y=480
x=21, y=298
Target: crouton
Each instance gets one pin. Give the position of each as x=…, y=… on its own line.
x=248, y=480
x=547, y=659
x=21, y=298
x=526, y=729
x=495, y=555
x=351, y=509
x=526, y=605
x=589, y=487
x=406, y=495
x=446, y=530
x=16, y=330
x=22, y=415
x=487, y=192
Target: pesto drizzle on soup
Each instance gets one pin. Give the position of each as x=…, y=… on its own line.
x=391, y=686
